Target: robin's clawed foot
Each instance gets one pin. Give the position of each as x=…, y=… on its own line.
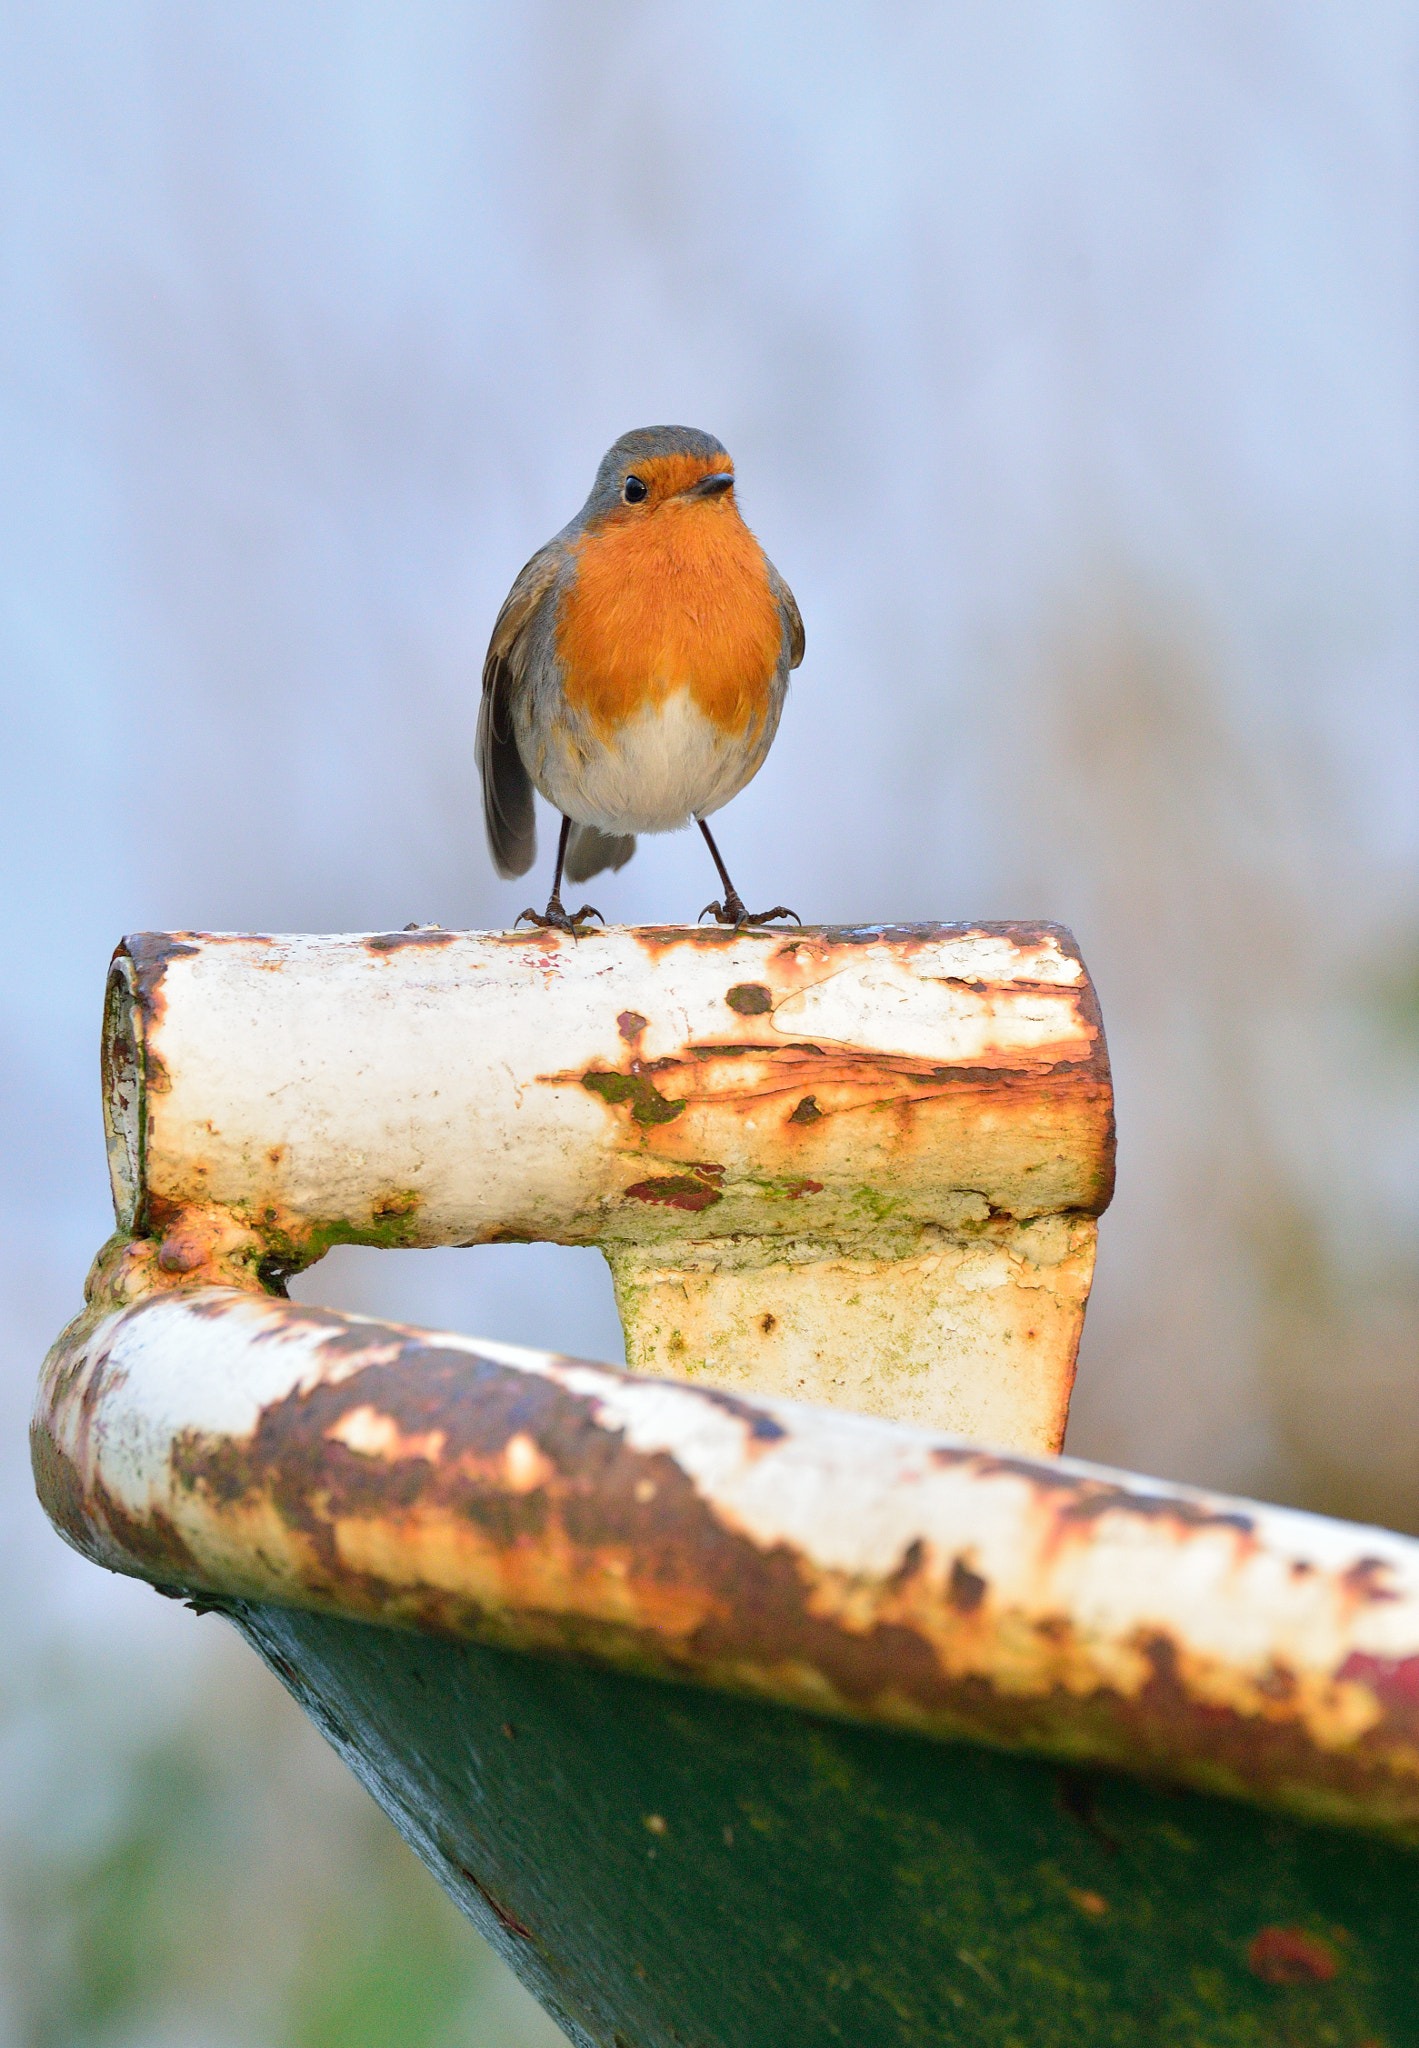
x=555, y=919
x=732, y=911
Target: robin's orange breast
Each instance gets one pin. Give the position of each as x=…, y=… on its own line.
x=676, y=601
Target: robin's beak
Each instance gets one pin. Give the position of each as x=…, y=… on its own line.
x=712, y=486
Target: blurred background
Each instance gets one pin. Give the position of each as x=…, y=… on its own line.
x=1067, y=353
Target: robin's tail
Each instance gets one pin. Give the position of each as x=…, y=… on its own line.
x=507, y=792
x=589, y=851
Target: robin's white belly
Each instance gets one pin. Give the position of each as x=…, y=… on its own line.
x=666, y=766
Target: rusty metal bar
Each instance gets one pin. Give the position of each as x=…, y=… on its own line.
x=860, y=1167
x=863, y=1167
x=245, y=1448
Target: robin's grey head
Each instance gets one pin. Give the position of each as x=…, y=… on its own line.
x=651, y=464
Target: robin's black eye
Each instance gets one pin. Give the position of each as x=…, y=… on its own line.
x=633, y=490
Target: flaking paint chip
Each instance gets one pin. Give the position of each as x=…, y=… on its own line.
x=1089, y=1902
x=525, y=1465
x=370, y=1434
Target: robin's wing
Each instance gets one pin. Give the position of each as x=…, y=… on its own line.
x=792, y=617
x=507, y=789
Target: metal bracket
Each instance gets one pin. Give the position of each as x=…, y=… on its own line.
x=859, y=1167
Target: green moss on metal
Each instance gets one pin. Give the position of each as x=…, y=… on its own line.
x=392, y=1226
x=648, y=1106
x=872, y=1202
x=750, y=999
x=826, y=1885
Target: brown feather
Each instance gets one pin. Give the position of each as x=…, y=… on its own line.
x=793, y=618
x=507, y=790
x=590, y=852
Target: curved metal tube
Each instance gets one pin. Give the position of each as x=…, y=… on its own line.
x=240, y=1447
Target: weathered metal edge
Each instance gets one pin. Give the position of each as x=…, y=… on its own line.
x=231, y=1445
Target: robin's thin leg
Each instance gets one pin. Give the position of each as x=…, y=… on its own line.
x=554, y=918
x=732, y=910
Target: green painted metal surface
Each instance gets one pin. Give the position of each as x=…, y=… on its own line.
x=668, y=1867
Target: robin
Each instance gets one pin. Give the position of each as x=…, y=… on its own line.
x=636, y=671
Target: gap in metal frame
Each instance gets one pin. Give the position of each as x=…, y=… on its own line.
x=550, y=1297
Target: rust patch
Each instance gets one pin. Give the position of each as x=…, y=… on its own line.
x=908, y=938
x=499, y=1912
x=395, y=942
x=59, y=1486
x=1394, y=1681
x=631, y=1024
x=182, y=1251
x=1188, y=1514
x=677, y=1191
x=966, y=1589
x=198, y=1248
x=1278, y=1682
x=1368, y=1579
x=913, y=1559
x=648, y=1105
x=1093, y=1019
x=1092, y=1903
x=1289, y=1955
x=745, y=1078
x=101, y=1527
x=803, y=1187
x=750, y=999
x=1091, y=1498
x=151, y=953
x=763, y=1428
x=656, y=939
x=947, y=1456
